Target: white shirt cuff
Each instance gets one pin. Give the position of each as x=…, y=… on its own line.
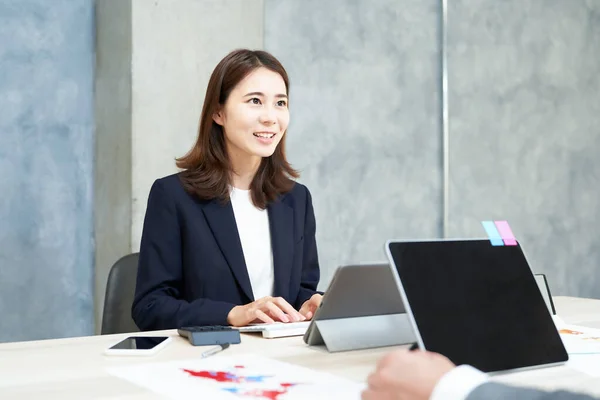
x=458, y=383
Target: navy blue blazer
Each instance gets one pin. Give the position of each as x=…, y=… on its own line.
x=191, y=268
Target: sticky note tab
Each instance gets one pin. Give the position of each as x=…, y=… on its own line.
x=492, y=233
x=506, y=233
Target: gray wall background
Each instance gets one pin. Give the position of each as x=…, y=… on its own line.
x=366, y=130
x=112, y=179
x=46, y=164
x=524, y=109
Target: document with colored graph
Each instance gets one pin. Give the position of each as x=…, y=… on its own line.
x=239, y=377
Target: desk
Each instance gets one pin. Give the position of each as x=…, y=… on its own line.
x=74, y=368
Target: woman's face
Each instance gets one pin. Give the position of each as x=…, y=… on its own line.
x=255, y=116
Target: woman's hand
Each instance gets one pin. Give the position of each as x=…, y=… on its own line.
x=267, y=309
x=310, y=306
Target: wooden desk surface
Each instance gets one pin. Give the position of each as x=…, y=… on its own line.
x=74, y=368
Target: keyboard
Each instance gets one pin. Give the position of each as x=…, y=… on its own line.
x=210, y=335
x=278, y=329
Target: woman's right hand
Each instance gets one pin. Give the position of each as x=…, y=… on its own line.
x=267, y=309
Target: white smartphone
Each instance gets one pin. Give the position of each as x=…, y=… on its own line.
x=138, y=346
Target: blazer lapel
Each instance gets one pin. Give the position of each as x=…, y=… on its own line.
x=281, y=223
x=222, y=223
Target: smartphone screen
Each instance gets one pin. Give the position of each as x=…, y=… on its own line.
x=139, y=343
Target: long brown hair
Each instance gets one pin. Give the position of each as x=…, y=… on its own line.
x=207, y=168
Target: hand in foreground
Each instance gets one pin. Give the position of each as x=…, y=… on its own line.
x=267, y=309
x=310, y=306
x=406, y=375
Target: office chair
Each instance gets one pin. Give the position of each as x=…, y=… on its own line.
x=120, y=289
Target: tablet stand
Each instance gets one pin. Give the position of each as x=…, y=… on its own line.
x=343, y=334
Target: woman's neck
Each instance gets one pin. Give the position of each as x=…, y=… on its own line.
x=244, y=168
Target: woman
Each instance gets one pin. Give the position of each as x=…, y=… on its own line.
x=231, y=238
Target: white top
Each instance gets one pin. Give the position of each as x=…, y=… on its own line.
x=458, y=383
x=255, y=235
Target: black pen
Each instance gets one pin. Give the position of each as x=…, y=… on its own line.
x=215, y=350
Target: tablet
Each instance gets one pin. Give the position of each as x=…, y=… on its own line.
x=475, y=303
x=366, y=310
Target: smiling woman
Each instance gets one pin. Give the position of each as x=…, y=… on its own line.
x=242, y=128
x=231, y=238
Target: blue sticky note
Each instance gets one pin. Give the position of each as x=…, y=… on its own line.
x=492, y=232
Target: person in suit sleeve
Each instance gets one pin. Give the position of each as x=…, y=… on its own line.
x=231, y=238
x=423, y=375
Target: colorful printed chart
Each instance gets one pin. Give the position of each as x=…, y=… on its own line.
x=235, y=378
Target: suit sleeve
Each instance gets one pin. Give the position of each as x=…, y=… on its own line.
x=158, y=302
x=496, y=391
x=310, y=268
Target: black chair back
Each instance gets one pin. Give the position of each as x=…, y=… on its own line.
x=120, y=289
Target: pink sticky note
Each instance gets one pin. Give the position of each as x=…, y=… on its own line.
x=506, y=233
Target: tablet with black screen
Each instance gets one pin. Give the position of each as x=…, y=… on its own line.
x=475, y=303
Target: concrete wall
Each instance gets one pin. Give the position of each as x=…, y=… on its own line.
x=46, y=168
x=112, y=182
x=525, y=130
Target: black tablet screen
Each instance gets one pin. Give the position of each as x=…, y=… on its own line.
x=477, y=304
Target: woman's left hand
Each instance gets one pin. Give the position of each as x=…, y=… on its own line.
x=310, y=306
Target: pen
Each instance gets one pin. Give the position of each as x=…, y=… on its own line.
x=215, y=350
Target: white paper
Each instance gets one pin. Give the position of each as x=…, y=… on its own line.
x=583, y=346
x=239, y=377
x=558, y=321
x=587, y=363
x=579, y=339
